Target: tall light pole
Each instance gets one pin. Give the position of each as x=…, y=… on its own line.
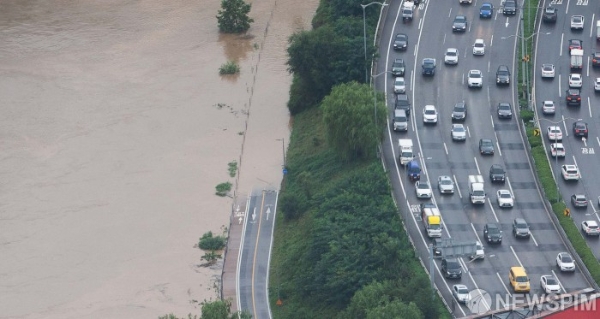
x=524, y=66
x=364, y=6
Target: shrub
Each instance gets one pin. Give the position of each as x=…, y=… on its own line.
x=232, y=168
x=210, y=242
x=223, y=189
x=229, y=68
x=233, y=18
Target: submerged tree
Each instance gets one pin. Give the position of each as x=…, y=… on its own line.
x=233, y=16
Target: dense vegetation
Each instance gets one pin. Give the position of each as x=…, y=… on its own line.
x=233, y=16
x=340, y=247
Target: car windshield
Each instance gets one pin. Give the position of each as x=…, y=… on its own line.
x=453, y=265
x=451, y=53
x=445, y=182
x=493, y=230
x=551, y=281
x=521, y=225
x=504, y=195
x=522, y=279
x=430, y=112
x=459, y=129
x=460, y=19
x=423, y=185
x=474, y=75
x=486, y=143
x=463, y=290
x=566, y=259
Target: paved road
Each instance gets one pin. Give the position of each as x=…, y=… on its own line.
x=253, y=267
x=552, y=47
x=430, y=34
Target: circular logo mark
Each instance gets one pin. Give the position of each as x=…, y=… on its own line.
x=479, y=301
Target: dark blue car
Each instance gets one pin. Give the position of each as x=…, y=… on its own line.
x=486, y=11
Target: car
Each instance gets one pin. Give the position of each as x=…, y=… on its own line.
x=461, y=293
x=403, y=103
x=430, y=115
x=401, y=42
x=504, y=110
x=573, y=97
x=479, y=47
x=548, y=107
x=451, y=268
x=399, y=85
x=509, y=7
x=550, y=15
x=479, y=252
x=398, y=67
x=459, y=24
x=570, y=172
x=428, y=66
x=579, y=200
x=548, y=71
x=459, y=112
x=486, y=10
x=550, y=284
x=505, y=198
x=577, y=22
x=596, y=59
x=557, y=150
x=451, y=56
x=492, y=233
x=422, y=206
x=486, y=147
x=497, y=173
x=575, y=44
x=503, y=75
x=458, y=132
x=590, y=228
x=597, y=85
x=554, y=133
x=445, y=185
x=580, y=129
x=465, y=1
x=423, y=189
x=475, y=79
x=520, y=228
x=575, y=80
x=565, y=262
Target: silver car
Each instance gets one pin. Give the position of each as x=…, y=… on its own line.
x=459, y=133
x=399, y=85
x=445, y=185
x=451, y=56
x=548, y=107
x=577, y=22
x=548, y=70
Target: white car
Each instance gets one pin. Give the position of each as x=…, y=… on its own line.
x=461, y=293
x=597, y=85
x=548, y=107
x=479, y=251
x=554, y=133
x=548, y=70
x=475, y=79
x=590, y=228
x=577, y=22
x=557, y=150
x=423, y=189
x=570, y=172
x=505, y=198
x=575, y=80
x=399, y=85
x=479, y=47
x=445, y=185
x=451, y=56
x=550, y=284
x=458, y=133
x=565, y=262
x=430, y=114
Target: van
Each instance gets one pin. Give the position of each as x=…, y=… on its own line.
x=400, y=121
x=518, y=279
x=598, y=30
x=414, y=170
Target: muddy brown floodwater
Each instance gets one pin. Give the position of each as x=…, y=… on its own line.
x=115, y=128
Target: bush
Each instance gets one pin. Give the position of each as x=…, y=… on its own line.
x=210, y=242
x=229, y=68
x=233, y=18
x=293, y=205
x=223, y=189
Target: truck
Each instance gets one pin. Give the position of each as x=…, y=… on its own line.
x=406, y=150
x=576, y=59
x=407, y=11
x=432, y=220
x=476, y=189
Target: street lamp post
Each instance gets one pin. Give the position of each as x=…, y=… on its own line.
x=283, y=149
x=364, y=6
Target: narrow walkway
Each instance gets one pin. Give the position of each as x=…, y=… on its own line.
x=228, y=277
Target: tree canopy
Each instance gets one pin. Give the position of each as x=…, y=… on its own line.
x=233, y=16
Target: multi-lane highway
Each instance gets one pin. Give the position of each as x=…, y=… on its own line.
x=552, y=47
x=430, y=34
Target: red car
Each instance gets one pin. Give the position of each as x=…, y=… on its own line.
x=575, y=44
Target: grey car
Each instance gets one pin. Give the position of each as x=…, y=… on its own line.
x=504, y=110
x=459, y=24
x=520, y=228
x=579, y=200
x=398, y=67
x=401, y=42
x=445, y=185
x=503, y=75
x=458, y=133
x=486, y=147
x=459, y=112
x=492, y=233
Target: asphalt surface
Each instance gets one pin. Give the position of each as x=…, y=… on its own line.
x=430, y=35
x=552, y=47
x=253, y=267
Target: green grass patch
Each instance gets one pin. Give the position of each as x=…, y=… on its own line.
x=229, y=68
x=232, y=168
x=223, y=189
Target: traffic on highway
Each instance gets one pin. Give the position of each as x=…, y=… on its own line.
x=455, y=147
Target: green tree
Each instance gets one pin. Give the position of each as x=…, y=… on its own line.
x=395, y=309
x=233, y=18
x=218, y=309
x=349, y=115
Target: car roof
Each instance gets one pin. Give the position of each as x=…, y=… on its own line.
x=474, y=72
x=502, y=67
x=548, y=65
x=591, y=222
x=479, y=41
x=457, y=126
x=399, y=60
x=557, y=145
x=430, y=107
x=491, y=226
x=485, y=140
x=554, y=127
x=570, y=166
x=520, y=220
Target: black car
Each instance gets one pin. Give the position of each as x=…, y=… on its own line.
x=403, y=103
x=504, y=110
x=596, y=59
x=550, y=15
x=486, y=147
x=398, y=67
x=520, y=228
x=510, y=7
x=573, y=97
x=497, y=173
x=428, y=66
x=492, y=233
x=401, y=42
x=503, y=75
x=580, y=129
x=451, y=268
x=459, y=112
x=459, y=24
